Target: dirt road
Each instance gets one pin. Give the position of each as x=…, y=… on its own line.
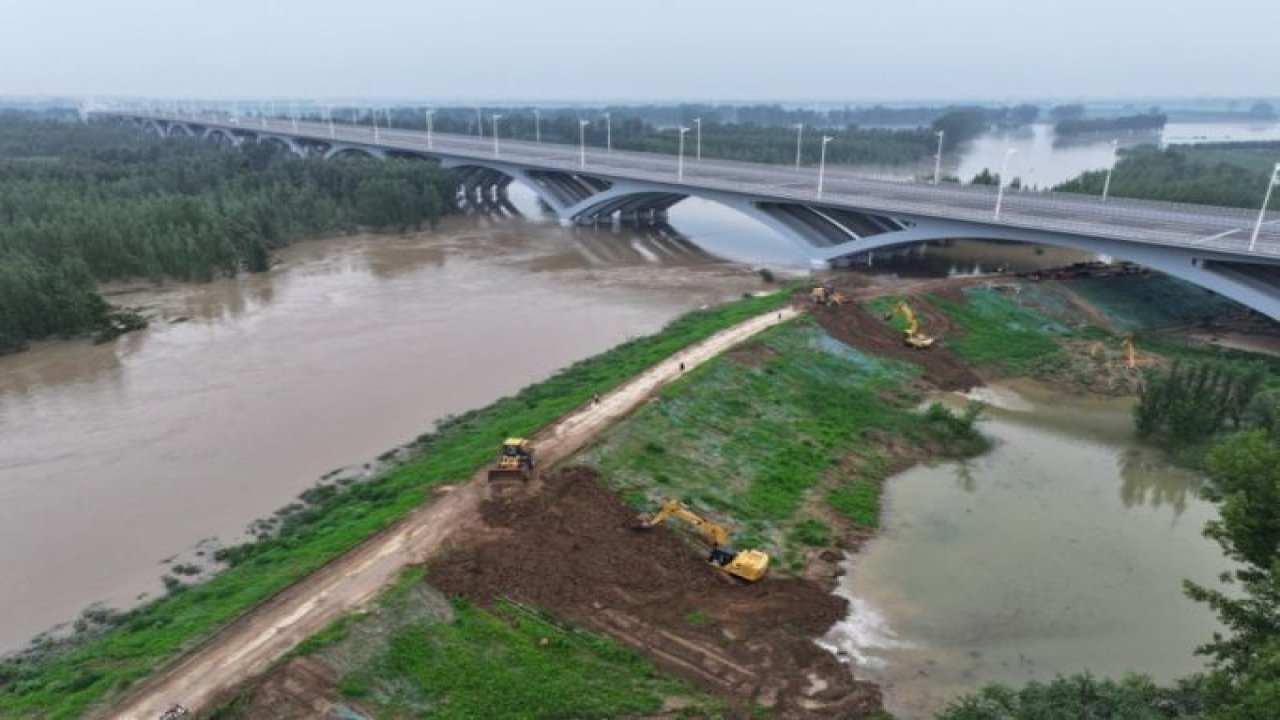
x=249, y=645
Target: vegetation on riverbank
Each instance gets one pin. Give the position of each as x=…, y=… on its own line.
x=1181, y=174
x=81, y=204
x=64, y=679
x=786, y=437
x=417, y=653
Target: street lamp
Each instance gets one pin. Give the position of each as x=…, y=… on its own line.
x=293, y=115
x=479, y=124
x=698, y=121
x=822, y=161
x=1266, y=199
x=582, y=143
x=537, y=126
x=373, y=115
x=799, y=134
x=428, y=114
x=937, y=158
x=496, y=117
x=1106, y=184
x=1004, y=172
x=608, y=132
x=328, y=114
x=680, y=162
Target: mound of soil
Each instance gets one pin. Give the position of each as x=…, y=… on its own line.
x=571, y=549
x=853, y=324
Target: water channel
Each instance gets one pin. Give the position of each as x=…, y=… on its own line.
x=1061, y=550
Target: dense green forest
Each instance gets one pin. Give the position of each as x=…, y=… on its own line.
x=1124, y=123
x=82, y=203
x=1180, y=174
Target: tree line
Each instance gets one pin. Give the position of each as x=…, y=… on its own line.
x=1175, y=175
x=81, y=204
x=765, y=137
x=1124, y=123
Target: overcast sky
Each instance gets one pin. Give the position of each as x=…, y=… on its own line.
x=440, y=50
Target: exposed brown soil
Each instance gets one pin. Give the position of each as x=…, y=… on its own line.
x=853, y=324
x=571, y=549
x=302, y=688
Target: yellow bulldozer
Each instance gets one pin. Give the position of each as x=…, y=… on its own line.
x=515, y=460
x=749, y=565
x=826, y=296
x=911, y=335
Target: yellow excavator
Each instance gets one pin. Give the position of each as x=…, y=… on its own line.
x=749, y=565
x=911, y=335
x=515, y=461
x=825, y=295
x=1130, y=352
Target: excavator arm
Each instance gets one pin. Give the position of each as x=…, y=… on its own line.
x=749, y=565
x=713, y=533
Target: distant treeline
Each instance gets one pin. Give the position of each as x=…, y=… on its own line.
x=86, y=203
x=1125, y=123
x=750, y=133
x=1175, y=175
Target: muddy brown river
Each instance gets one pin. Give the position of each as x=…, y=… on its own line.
x=243, y=392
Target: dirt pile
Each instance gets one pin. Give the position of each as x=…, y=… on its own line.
x=571, y=549
x=854, y=325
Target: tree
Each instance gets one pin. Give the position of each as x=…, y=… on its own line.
x=1074, y=111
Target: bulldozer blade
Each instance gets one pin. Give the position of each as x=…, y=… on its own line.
x=504, y=475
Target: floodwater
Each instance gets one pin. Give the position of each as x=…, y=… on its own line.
x=1061, y=550
x=245, y=391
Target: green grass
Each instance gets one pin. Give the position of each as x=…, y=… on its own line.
x=748, y=435
x=858, y=501
x=1142, y=303
x=999, y=332
x=67, y=683
x=508, y=662
x=811, y=532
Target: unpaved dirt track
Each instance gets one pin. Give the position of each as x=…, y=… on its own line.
x=248, y=646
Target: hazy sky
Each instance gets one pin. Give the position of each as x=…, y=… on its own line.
x=439, y=50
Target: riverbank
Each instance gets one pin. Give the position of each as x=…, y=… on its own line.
x=333, y=518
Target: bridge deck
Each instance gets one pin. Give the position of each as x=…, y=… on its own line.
x=1223, y=231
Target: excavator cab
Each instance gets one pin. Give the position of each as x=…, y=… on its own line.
x=515, y=461
x=749, y=565
x=825, y=295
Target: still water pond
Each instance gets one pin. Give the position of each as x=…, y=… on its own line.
x=1063, y=549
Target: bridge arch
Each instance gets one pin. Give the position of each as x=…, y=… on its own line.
x=176, y=129
x=339, y=151
x=1250, y=285
x=288, y=143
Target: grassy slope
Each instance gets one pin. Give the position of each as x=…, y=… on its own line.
x=750, y=435
x=1000, y=333
x=68, y=683
x=405, y=660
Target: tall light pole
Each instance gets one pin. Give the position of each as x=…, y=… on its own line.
x=608, y=132
x=822, y=161
x=1106, y=184
x=1004, y=172
x=496, y=117
x=582, y=143
x=328, y=114
x=537, y=126
x=698, y=121
x=799, y=135
x=1266, y=199
x=373, y=115
x=428, y=114
x=293, y=115
x=479, y=124
x=937, y=158
x=680, y=162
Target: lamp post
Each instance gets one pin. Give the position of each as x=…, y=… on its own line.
x=698, y=121
x=428, y=114
x=937, y=158
x=537, y=126
x=1266, y=199
x=1004, y=172
x=1106, y=184
x=799, y=135
x=293, y=115
x=680, y=161
x=496, y=117
x=822, y=161
x=608, y=132
x=374, y=116
x=479, y=124
x=582, y=143
x=328, y=114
